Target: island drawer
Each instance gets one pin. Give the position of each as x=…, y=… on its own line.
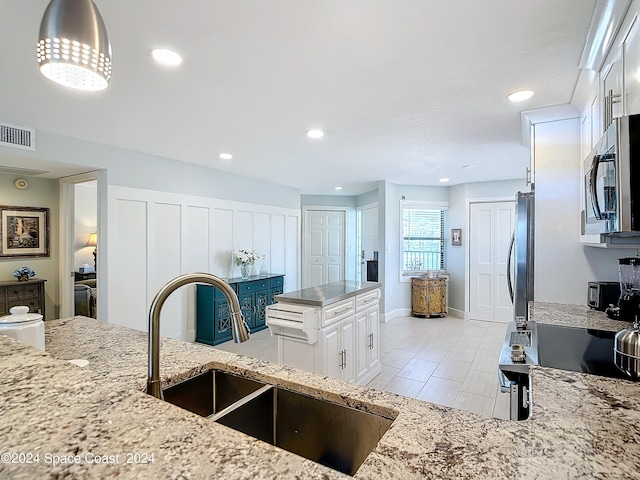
x=365, y=300
x=337, y=311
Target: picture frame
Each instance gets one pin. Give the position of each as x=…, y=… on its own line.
x=456, y=237
x=24, y=232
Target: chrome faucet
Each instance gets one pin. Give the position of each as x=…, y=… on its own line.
x=239, y=328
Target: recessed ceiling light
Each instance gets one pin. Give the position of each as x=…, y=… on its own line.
x=444, y=180
x=520, y=96
x=225, y=156
x=166, y=57
x=338, y=188
x=468, y=166
x=315, y=133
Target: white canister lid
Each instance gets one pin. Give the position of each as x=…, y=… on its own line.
x=20, y=314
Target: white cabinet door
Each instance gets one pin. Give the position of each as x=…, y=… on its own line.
x=373, y=322
x=338, y=350
x=632, y=70
x=331, y=351
x=613, y=89
x=362, y=344
x=348, y=343
x=367, y=341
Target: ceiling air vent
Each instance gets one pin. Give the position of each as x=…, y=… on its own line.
x=17, y=137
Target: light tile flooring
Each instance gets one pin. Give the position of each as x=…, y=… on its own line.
x=448, y=361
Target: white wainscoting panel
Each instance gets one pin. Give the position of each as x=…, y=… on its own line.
x=156, y=236
x=195, y=256
x=127, y=263
x=221, y=241
x=164, y=263
x=262, y=237
x=292, y=253
x=277, y=258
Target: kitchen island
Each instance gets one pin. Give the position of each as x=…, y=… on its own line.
x=330, y=329
x=582, y=427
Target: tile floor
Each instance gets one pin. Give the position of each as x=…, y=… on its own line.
x=448, y=361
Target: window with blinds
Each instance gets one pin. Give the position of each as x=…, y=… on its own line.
x=422, y=239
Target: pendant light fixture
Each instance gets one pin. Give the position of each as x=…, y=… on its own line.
x=73, y=47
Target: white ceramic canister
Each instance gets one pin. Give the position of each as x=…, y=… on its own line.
x=23, y=326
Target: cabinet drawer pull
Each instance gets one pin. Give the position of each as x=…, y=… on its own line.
x=339, y=312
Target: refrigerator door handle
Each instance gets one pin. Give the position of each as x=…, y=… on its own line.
x=509, y=283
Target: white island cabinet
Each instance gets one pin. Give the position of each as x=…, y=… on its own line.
x=330, y=330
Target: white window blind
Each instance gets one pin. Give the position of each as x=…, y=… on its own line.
x=422, y=239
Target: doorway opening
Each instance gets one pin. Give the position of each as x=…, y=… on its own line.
x=80, y=235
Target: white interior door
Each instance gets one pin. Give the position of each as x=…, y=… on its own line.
x=324, y=252
x=491, y=226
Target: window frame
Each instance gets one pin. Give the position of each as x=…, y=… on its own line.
x=405, y=275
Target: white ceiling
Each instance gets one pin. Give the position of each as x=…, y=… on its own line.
x=408, y=91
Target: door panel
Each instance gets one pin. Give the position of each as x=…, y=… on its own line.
x=324, y=250
x=491, y=226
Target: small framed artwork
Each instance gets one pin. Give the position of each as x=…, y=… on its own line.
x=456, y=237
x=24, y=232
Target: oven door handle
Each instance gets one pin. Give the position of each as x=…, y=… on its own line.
x=593, y=177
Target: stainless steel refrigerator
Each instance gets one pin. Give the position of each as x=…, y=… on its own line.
x=520, y=260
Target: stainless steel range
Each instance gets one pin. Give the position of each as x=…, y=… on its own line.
x=519, y=352
x=574, y=349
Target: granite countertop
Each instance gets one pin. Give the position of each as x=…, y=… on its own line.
x=582, y=426
x=578, y=316
x=328, y=293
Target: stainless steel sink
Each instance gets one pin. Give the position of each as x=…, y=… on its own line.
x=333, y=435
x=210, y=392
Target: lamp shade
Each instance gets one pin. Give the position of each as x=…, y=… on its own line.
x=93, y=240
x=73, y=47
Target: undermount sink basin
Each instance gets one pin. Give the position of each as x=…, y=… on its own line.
x=210, y=392
x=333, y=435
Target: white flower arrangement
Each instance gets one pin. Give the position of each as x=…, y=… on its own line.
x=243, y=256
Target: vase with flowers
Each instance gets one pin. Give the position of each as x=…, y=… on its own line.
x=23, y=274
x=245, y=259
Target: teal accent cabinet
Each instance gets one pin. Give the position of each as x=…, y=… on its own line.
x=213, y=318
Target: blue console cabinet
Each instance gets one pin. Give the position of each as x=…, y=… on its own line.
x=213, y=319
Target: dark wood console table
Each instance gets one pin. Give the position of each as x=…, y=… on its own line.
x=29, y=293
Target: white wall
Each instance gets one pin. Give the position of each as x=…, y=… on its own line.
x=563, y=265
x=41, y=193
x=155, y=236
x=139, y=170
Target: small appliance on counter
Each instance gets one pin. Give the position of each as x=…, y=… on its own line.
x=629, y=302
x=601, y=295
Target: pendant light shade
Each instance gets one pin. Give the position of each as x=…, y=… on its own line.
x=73, y=47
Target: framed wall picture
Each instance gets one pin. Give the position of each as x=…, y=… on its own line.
x=456, y=237
x=24, y=232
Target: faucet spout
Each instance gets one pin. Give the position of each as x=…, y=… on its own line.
x=239, y=328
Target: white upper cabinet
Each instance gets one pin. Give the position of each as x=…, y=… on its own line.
x=613, y=85
x=631, y=58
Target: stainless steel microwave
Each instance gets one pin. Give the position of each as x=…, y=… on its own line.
x=612, y=180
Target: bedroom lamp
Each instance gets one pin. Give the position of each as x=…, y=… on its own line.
x=73, y=47
x=93, y=242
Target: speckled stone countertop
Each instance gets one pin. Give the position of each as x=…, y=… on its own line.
x=328, y=293
x=582, y=426
x=578, y=316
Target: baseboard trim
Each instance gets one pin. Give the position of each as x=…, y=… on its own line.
x=454, y=312
x=398, y=312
